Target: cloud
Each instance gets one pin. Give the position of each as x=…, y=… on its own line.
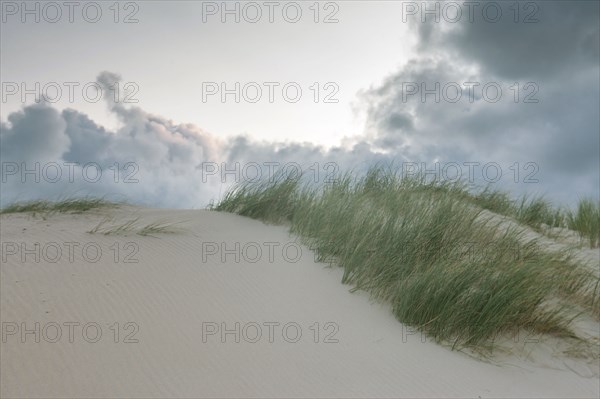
x=37, y=124
x=554, y=61
x=148, y=159
x=550, y=145
x=549, y=37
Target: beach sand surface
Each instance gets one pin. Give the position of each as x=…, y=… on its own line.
x=155, y=316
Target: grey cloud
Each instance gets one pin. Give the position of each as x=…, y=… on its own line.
x=37, y=124
x=560, y=134
x=566, y=33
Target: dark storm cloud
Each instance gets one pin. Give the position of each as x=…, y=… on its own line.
x=549, y=37
x=557, y=56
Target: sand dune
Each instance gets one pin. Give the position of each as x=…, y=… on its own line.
x=168, y=321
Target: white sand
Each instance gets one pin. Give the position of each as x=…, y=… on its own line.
x=171, y=292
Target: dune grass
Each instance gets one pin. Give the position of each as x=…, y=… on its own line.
x=536, y=212
x=71, y=205
x=132, y=226
x=586, y=221
x=426, y=248
x=531, y=211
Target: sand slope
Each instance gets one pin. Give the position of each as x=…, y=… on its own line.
x=177, y=287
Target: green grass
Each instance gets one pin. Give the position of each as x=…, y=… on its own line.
x=158, y=228
x=586, y=221
x=426, y=248
x=532, y=212
x=72, y=205
x=537, y=211
x=106, y=227
x=266, y=199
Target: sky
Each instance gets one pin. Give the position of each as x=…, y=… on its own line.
x=167, y=103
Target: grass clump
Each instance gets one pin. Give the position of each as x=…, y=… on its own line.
x=71, y=205
x=537, y=212
x=158, y=228
x=270, y=200
x=586, y=221
x=533, y=212
x=132, y=226
x=425, y=248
